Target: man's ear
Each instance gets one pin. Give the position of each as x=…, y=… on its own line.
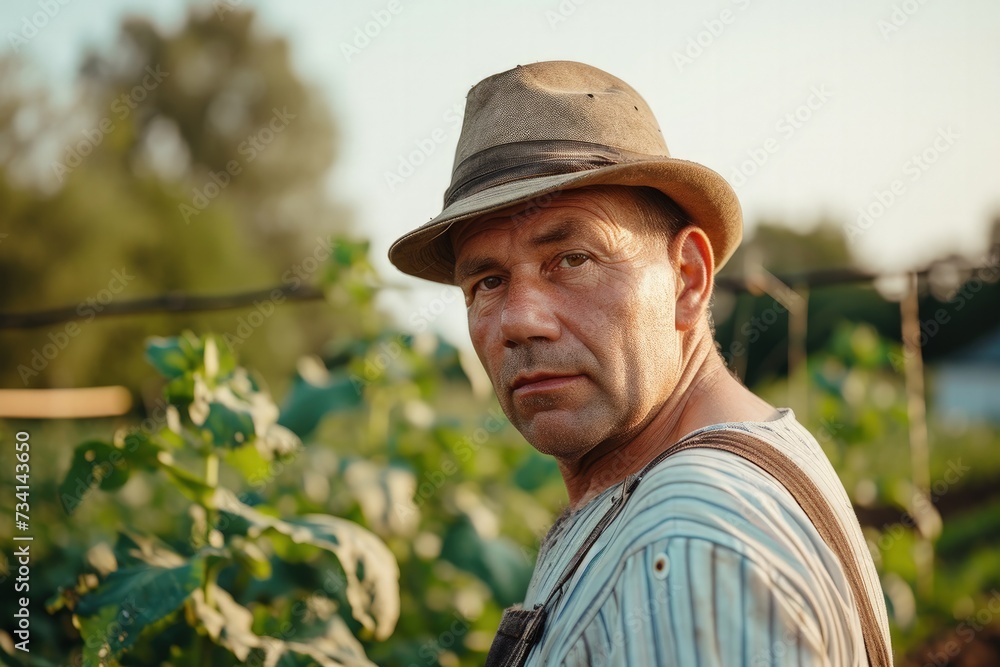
x=694, y=267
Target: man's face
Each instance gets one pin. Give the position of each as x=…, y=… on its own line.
x=571, y=311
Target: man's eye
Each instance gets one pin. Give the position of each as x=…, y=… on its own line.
x=573, y=261
x=488, y=283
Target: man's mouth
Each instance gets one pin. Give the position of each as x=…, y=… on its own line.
x=541, y=381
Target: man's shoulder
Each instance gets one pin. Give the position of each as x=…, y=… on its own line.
x=707, y=494
x=715, y=495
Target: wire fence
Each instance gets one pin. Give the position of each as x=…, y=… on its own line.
x=178, y=302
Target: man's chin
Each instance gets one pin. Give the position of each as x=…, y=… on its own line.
x=559, y=434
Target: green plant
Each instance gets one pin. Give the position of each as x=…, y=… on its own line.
x=160, y=598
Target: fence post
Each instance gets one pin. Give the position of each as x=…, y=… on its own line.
x=916, y=411
x=796, y=303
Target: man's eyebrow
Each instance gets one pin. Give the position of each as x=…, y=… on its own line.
x=554, y=234
x=474, y=266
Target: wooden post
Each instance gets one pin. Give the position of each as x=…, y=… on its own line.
x=916, y=410
x=798, y=323
x=762, y=281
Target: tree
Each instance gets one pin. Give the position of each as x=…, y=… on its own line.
x=192, y=161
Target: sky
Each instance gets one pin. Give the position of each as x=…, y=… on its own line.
x=879, y=114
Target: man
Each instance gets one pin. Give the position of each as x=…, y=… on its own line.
x=586, y=255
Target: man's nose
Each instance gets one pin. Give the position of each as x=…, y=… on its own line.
x=527, y=314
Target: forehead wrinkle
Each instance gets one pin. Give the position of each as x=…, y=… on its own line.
x=606, y=219
x=569, y=224
x=555, y=233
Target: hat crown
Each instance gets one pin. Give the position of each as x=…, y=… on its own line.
x=558, y=100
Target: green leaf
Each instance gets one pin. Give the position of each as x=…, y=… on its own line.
x=230, y=625
x=535, y=471
x=193, y=487
x=297, y=654
x=180, y=390
x=278, y=442
x=141, y=451
x=385, y=494
x=132, y=550
x=94, y=463
x=168, y=356
x=248, y=461
x=251, y=558
x=226, y=621
x=309, y=401
x=112, y=617
x=350, y=252
x=337, y=647
x=371, y=570
x=497, y=562
x=228, y=427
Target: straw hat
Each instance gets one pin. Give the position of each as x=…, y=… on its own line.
x=537, y=129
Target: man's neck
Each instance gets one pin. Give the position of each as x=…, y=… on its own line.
x=705, y=395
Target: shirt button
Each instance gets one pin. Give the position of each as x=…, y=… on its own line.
x=661, y=566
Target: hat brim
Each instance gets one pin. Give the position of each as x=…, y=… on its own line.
x=702, y=193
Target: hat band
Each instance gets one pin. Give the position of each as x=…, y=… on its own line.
x=527, y=159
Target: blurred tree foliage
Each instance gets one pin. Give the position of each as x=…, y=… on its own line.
x=785, y=250
x=189, y=161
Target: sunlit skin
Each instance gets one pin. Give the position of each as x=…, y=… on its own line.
x=594, y=333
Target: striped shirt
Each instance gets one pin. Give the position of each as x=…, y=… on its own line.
x=712, y=562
